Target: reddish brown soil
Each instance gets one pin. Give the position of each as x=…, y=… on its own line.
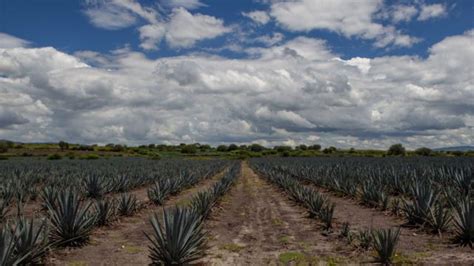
x=124, y=243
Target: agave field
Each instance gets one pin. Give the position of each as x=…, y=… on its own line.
x=131, y=211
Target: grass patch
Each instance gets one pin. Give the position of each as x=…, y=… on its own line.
x=133, y=249
x=76, y=263
x=277, y=221
x=292, y=256
x=232, y=247
x=284, y=240
x=412, y=258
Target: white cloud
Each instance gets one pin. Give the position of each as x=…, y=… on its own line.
x=432, y=11
x=296, y=92
x=270, y=40
x=403, y=13
x=259, y=17
x=188, y=4
x=180, y=29
x=349, y=18
x=9, y=41
x=185, y=29
x=117, y=14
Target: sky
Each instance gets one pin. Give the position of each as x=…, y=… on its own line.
x=344, y=73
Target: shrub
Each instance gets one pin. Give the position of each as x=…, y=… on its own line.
x=54, y=157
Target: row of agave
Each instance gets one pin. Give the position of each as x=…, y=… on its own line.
x=433, y=193
x=384, y=241
x=18, y=184
x=178, y=238
x=318, y=206
x=70, y=219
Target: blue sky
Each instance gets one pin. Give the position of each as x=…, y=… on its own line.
x=345, y=73
x=64, y=25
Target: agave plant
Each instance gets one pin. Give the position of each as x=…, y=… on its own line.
x=7, y=247
x=384, y=242
x=424, y=197
x=105, y=211
x=326, y=215
x=464, y=222
x=315, y=203
x=94, y=186
x=127, y=204
x=3, y=209
x=439, y=218
x=49, y=195
x=70, y=219
x=178, y=240
x=158, y=193
x=202, y=203
x=30, y=241
x=365, y=238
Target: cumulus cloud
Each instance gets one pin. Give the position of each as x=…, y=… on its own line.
x=188, y=4
x=8, y=41
x=117, y=14
x=297, y=91
x=432, y=11
x=403, y=13
x=259, y=17
x=348, y=18
x=180, y=29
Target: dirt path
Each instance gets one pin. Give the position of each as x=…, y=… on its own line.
x=124, y=243
x=414, y=244
x=259, y=225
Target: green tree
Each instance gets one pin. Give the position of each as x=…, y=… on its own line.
x=396, y=150
x=256, y=147
x=63, y=145
x=315, y=147
x=190, y=149
x=423, y=151
x=232, y=147
x=222, y=148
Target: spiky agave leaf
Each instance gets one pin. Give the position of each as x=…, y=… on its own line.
x=7, y=247
x=315, y=203
x=326, y=215
x=384, y=242
x=30, y=241
x=105, y=211
x=439, y=218
x=203, y=202
x=127, y=204
x=94, y=186
x=464, y=222
x=178, y=240
x=49, y=195
x=158, y=192
x=70, y=220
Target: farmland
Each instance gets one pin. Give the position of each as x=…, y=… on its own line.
x=259, y=211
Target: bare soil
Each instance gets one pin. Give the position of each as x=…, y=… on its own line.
x=259, y=225
x=124, y=243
